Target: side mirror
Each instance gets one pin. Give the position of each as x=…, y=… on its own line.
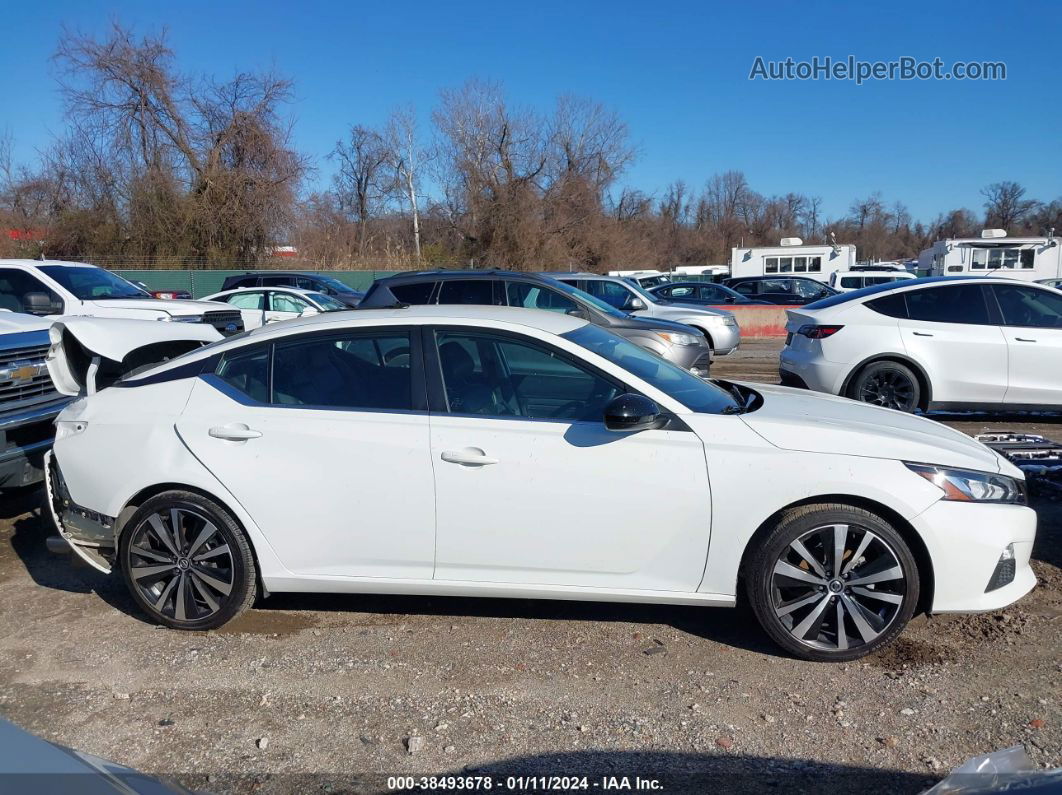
x=41, y=304
x=631, y=413
x=635, y=304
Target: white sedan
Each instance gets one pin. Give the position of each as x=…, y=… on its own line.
x=509, y=452
x=259, y=306
x=947, y=342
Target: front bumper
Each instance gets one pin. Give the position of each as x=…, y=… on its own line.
x=725, y=339
x=89, y=534
x=695, y=358
x=25, y=436
x=965, y=542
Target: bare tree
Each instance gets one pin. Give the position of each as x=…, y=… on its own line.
x=364, y=181
x=408, y=159
x=1005, y=205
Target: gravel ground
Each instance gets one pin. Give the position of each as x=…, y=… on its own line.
x=319, y=693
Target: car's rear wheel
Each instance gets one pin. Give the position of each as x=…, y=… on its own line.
x=832, y=582
x=187, y=562
x=888, y=384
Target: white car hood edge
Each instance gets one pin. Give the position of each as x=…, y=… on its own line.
x=795, y=419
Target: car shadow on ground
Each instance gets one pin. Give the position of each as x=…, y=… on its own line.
x=672, y=772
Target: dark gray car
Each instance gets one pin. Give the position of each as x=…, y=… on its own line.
x=678, y=343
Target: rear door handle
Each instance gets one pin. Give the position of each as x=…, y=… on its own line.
x=921, y=333
x=1024, y=339
x=469, y=457
x=234, y=432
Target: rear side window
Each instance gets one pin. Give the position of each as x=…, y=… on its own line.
x=894, y=305
x=415, y=294
x=356, y=371
x=278, y=281
x=247, y=371
x=467, y=291
x=963, y=303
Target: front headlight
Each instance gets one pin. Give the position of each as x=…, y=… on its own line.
x=964, y=485
x=676, y=338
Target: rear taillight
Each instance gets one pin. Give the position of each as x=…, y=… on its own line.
x=818, y=332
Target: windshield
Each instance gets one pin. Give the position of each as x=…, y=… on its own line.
x=335, y=284
x=642, y=292
x=691, y=391
x=88, y=283
x=855, y=295
x=326, y=302
x=593, y=300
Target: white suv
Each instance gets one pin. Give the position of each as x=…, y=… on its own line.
x=936, y=343
x=53, y=289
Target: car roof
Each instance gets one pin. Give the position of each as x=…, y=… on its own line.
x=36, y=263
x=907, y=285
x=462, y=274
x=551, y=322
x=256, y=288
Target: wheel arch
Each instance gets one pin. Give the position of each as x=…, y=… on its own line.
x=148, y=492
x=902, y=526
x=924, y=384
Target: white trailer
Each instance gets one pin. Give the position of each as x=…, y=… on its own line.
x=793, y=258
x=1029, y=258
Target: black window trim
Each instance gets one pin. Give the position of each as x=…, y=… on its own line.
x=437, y=401
x=418, y=390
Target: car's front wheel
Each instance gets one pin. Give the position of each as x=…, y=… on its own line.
x=832, y=582
x=187, y=562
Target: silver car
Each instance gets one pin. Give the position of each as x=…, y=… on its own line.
x=718, y=326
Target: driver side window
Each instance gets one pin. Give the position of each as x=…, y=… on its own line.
x=1028, y=306
x=16, y=285
x=501, y=376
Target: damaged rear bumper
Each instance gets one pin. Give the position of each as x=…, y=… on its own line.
x=89, y=534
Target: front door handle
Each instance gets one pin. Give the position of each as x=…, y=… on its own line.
x=470, y=456
x=234, y=432
x=1024, y=339
x=921, y=333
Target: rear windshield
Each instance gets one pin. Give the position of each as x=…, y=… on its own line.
x=855, y=295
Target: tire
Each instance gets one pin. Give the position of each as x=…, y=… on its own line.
x=201, y=579
x=799, y=609
x=888, y=384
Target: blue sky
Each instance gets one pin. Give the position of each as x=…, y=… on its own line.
x=676, y=72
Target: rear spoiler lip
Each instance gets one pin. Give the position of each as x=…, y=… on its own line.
x=111, y=340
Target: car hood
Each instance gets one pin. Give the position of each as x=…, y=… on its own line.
x=175, y=307
x=15, y=322
x=680, y=314
x=652, y=324
x=795, y=419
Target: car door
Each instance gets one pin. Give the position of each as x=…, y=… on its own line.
x=327, y=449
x=1032, y=326
x=531, y=489
x=252, y=306
x=949, y=331
x=285, y=306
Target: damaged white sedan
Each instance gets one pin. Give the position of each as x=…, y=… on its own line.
x=490, y=451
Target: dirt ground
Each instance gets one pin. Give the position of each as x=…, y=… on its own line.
x=334, y=693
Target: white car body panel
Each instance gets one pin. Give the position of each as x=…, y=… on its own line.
x=392, y=517
x=586, y=532
x=965, y=362
x=1034, y=365
x=379, y=522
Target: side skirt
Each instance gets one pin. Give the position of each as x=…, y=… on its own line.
x=492, y=590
